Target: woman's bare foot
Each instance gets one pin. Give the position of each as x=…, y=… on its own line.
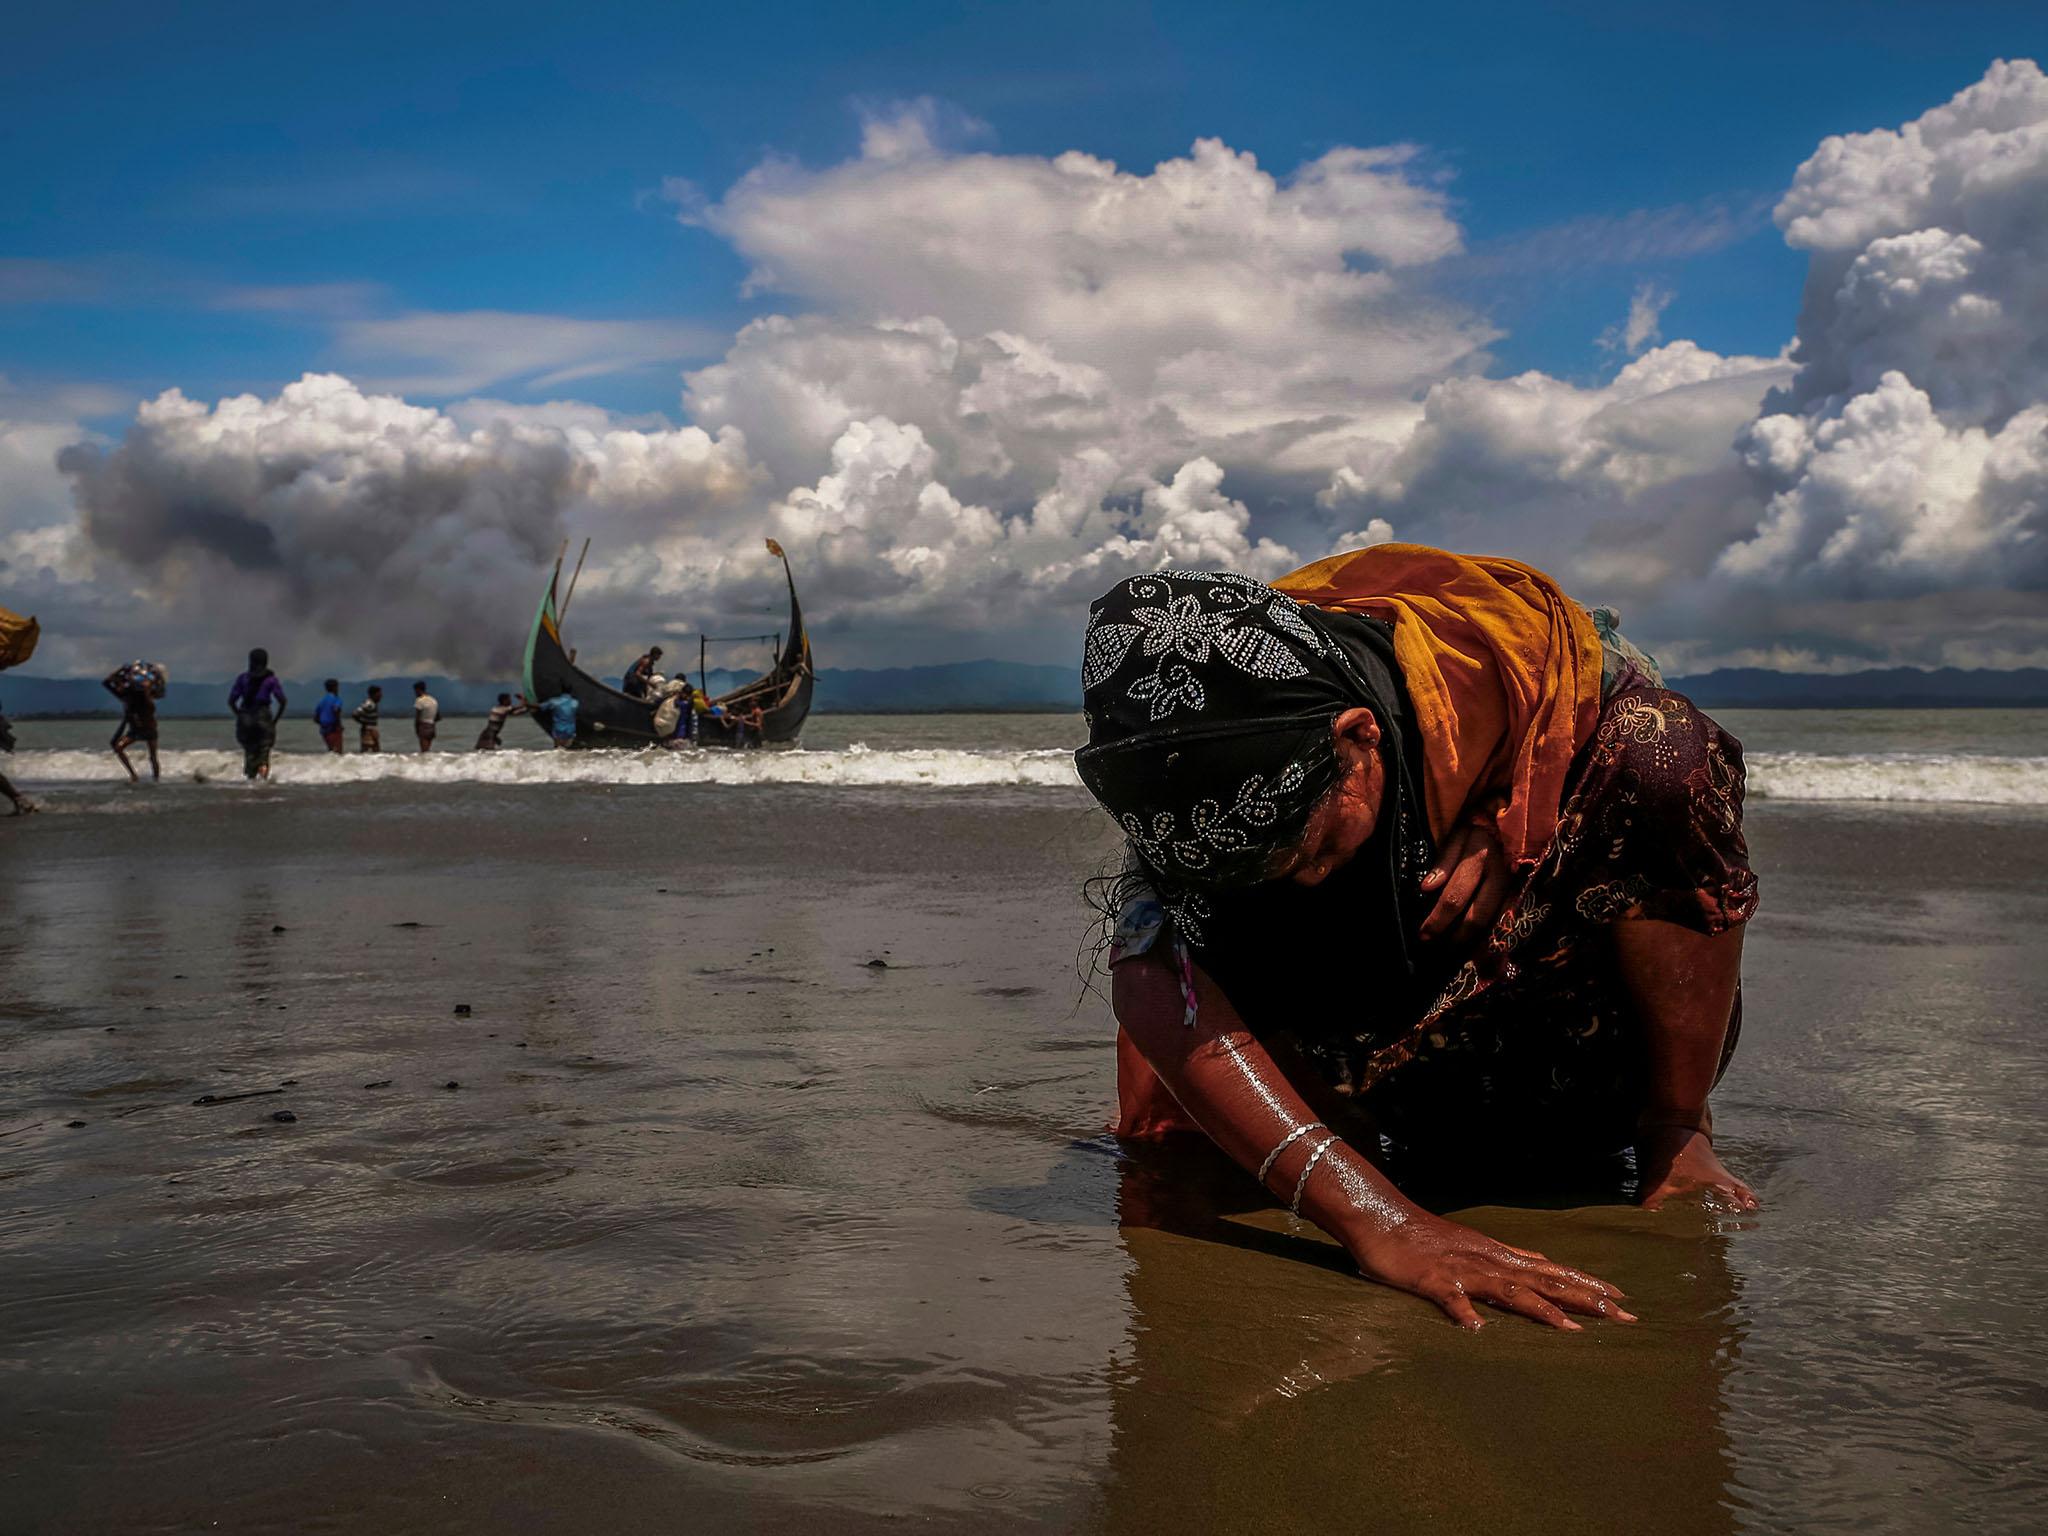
x=1678, y=1161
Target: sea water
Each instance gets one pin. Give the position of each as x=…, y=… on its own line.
x=1931, y=757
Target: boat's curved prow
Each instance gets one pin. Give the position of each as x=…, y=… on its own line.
x=608, y=717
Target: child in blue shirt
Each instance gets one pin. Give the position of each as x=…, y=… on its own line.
x=327, y=716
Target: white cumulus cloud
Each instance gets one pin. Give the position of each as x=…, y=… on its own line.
x=997, y=381
x=1239, y=301
x=1616, y=488
x=1878, y=494
x=1911, y=452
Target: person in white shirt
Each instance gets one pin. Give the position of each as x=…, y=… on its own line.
x=426, y=714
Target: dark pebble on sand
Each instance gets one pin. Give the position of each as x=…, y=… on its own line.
x=520, y=1046
x=284, y=1117
x=382, y=1082
x=277, y=928
x=72, y=1125
x=290, y=1082
x=878, y=964
x=451, y=1084
x=462, y=1009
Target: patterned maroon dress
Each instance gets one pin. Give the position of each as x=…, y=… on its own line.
x=1534, y=1035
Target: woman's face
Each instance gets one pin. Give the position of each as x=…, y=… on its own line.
x=1345, y=817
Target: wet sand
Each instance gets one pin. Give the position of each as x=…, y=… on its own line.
x=724, y=1225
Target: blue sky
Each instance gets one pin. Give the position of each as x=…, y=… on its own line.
x=974, y=306
x=164, y=160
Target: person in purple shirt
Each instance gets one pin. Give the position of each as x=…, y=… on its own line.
x=255, y=721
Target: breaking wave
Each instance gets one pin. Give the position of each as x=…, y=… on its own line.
x=1924, y=778
x=1931, y=778
x=853, y=767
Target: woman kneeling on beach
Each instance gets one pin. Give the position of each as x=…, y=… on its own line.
x=1425, y=866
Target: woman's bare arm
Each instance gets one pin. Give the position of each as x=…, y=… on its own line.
x=1226, y=1080
x=1683, y=986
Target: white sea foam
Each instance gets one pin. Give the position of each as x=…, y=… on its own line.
x=852, y=767
x=1929, y=778
x=1926, y=778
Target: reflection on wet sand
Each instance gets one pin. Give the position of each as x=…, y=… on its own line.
x=724, y=1230
x=1264, y=1386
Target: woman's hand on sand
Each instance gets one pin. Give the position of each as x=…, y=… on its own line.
x=1677, y=1162
x=1470, y=877
x=1454, y=1266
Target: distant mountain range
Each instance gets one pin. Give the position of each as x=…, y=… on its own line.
x=997, y=686
x=1885, y=688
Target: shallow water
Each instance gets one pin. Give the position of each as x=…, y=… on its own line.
x=724, y=1224
x=1935, y=757
x=296, y=736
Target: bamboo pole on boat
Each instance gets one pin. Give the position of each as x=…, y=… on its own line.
x=564, y=609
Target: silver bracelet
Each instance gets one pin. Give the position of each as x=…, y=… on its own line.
x=1300, y=1184
x=1287, y=1141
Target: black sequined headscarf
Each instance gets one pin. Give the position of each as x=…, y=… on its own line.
x=1209, y=700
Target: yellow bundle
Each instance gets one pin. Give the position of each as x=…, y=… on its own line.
x=18, y=638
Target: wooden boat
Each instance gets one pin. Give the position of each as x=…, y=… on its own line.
x=609, y=717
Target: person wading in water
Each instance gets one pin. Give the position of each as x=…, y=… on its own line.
x=365, y=717
x=492, y=736
x=426, y=716
x=327, y=717
x=21, y=803
x=258, y=701
x=138, y=686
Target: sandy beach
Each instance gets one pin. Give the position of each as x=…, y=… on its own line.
x=697, y=1213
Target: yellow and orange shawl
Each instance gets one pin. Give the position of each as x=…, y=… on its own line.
x=1503, y=670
